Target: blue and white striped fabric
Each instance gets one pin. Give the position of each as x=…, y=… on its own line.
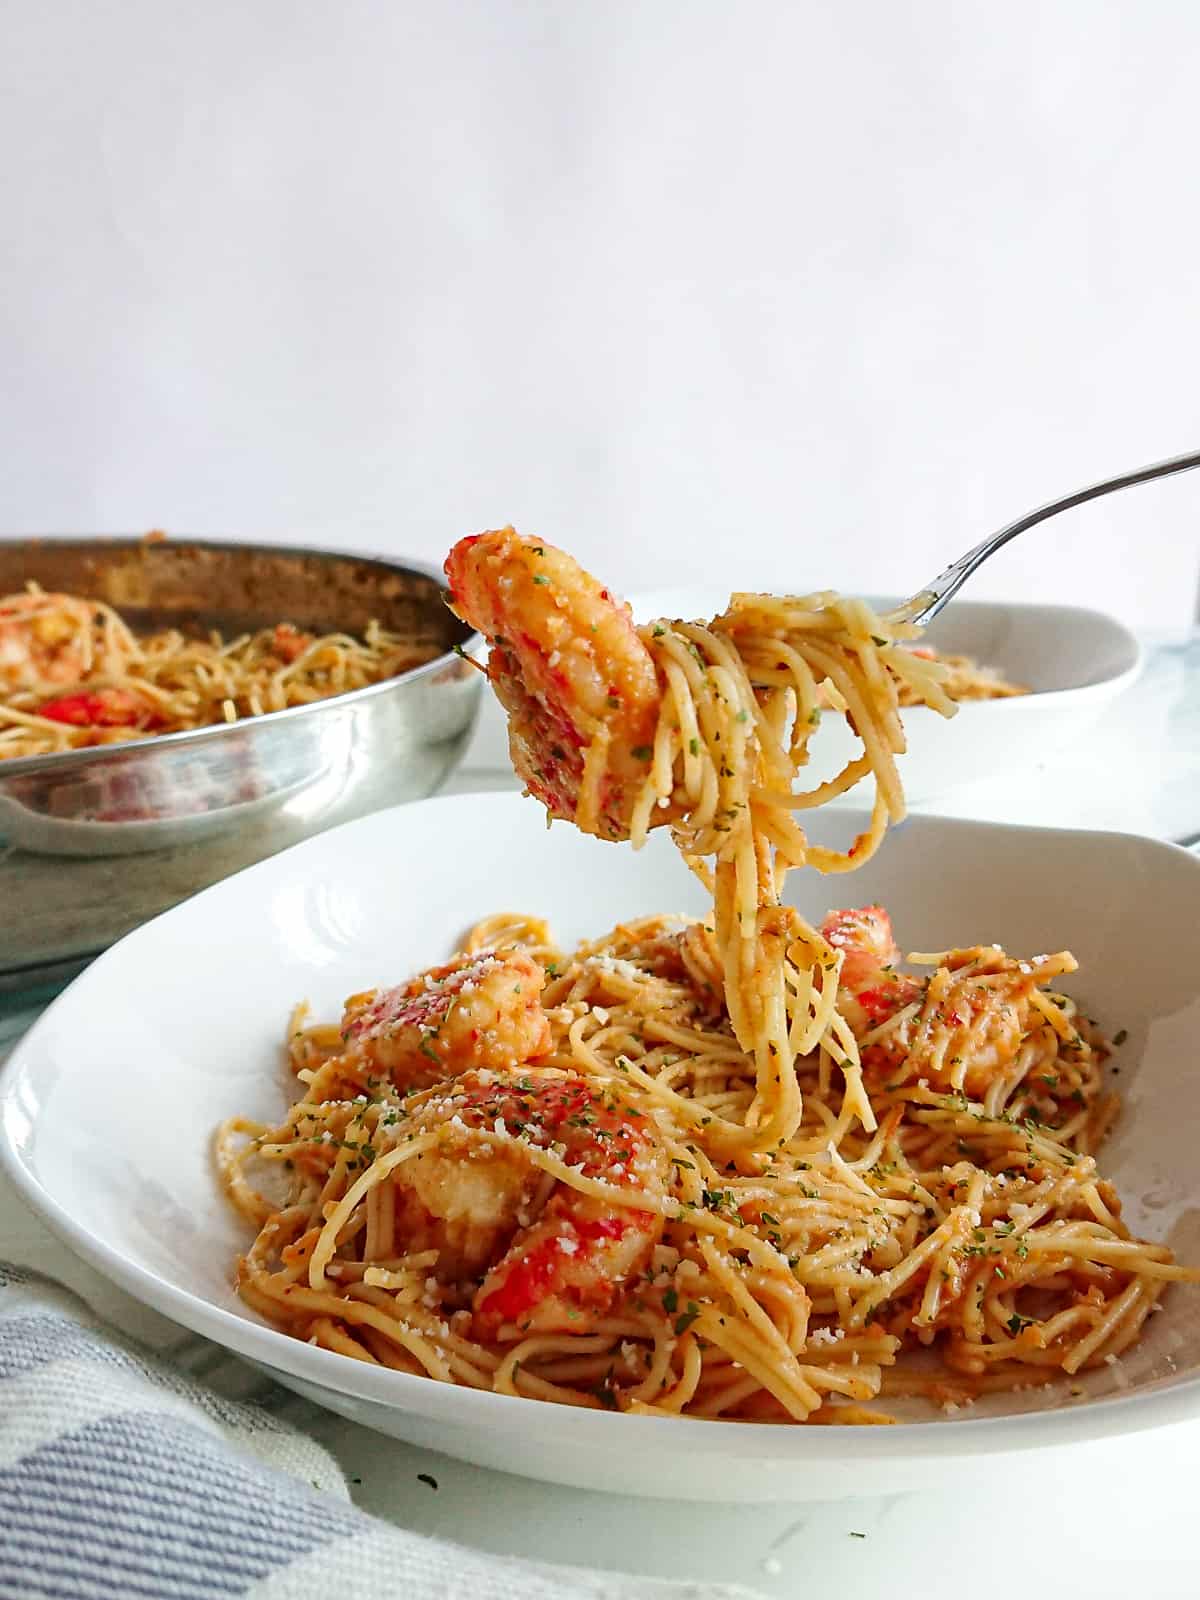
x=122, y=1477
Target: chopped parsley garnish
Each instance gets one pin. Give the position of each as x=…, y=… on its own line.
x=685, y=1318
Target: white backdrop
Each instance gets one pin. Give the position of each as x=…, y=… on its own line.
x=804, y=293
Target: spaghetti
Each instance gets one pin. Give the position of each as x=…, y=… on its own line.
x=733, y=1168
x=965, y=678
x=73, y=674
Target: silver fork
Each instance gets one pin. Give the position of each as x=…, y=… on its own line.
x=926, y=604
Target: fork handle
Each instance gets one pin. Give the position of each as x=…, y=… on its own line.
x=923, y=607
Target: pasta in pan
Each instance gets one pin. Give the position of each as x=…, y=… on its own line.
x=744, y=1167
x=73, y=674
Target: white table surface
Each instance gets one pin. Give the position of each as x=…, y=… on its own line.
x=1108, y=1519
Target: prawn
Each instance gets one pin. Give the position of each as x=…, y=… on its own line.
x=544, y=1257
x=569, y=668
x=44, y=639
x=51, y=642
x=482, y=1010
x=961, y=1029
x=870, y=989
x=288, y=644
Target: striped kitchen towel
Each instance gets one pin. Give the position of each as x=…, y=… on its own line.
x=122, y=1477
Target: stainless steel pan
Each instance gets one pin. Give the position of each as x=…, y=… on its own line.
x=93, y=842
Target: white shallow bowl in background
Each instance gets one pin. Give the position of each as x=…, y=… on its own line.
x=108, y=1106
x=1076, y=661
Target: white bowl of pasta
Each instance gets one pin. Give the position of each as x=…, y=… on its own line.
x=110, y=1105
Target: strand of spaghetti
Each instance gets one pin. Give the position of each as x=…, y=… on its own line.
x=1145, y=1259
x=531, y=1349
x=1052, y=1013
x=778, y=827
x=679, y=1395
x=1095, y=1341
x=1091, y=1197
x=230, y=1164
x=463, y=1355
x=850, y=775
x=346, y=1310
x=954, y=1230
x=876, y=724
x=698, y=777
x=691, y=1112
x=30, y=719
x=372, y=1244
x=340, y=1215
x=390, y=1355
x=327, y=1333
x=929, y=686
x=786, y=1305
x=729, y=670
x=864, y=847
x=745, y=1306
x=774, y=662
x=784, y=1377
x=466, y=1359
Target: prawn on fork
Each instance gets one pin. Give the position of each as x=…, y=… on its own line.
x=580, y=687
